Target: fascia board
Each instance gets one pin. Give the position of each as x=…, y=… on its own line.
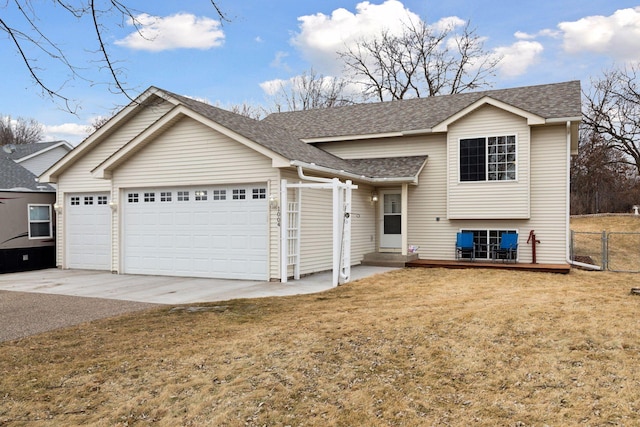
x=351, y=137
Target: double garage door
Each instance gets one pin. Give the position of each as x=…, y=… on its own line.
x=208, y=231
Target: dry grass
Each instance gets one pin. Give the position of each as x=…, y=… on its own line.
x=623, y=233
x=411, y=347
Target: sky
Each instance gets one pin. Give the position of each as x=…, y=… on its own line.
x=187, y=49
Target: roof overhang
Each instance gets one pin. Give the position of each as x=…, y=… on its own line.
x=177, y=113
x=356, y=177
x=532, y=119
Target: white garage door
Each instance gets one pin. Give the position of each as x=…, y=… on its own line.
x=88, y=231
x=207, y=231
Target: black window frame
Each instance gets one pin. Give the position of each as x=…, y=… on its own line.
x=488, y=159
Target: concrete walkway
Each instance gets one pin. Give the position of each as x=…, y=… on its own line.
x=164, y=289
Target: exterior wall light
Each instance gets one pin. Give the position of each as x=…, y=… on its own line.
x=374, y=196
x=273, y=201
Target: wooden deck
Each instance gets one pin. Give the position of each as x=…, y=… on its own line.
x=544, y=268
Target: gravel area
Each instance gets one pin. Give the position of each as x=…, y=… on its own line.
x=24, y=313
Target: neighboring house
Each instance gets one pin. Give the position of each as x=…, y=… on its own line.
x=27, y=224
x=173, y=186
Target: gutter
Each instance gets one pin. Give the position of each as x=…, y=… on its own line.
x=353, y=176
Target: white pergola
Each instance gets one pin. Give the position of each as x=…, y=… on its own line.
x=290, y=226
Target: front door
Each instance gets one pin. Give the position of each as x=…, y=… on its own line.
x=391, y=219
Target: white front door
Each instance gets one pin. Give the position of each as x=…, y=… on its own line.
x=391, y=219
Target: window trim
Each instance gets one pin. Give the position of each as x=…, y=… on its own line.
x=30, y=221
x=486, y=157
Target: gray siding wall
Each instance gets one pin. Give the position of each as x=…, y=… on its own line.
x=43, y=161
x=14, y=214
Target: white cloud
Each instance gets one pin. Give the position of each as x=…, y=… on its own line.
x=449, y=23
x=617, y=35
x=321, y=36
x=73, y=133
x=279, y=61
x=179, y=31
x=271, y=87
x=518, y=57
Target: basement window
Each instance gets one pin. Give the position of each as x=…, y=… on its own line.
x=486, y=241
x=40, y=222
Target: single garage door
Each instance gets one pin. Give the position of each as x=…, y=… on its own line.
x=88, y=231
x=208, y=231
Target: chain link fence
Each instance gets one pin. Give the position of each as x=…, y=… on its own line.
x=612, y=251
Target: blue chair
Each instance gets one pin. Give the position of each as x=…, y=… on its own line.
x=465, y=245
x=508, y=249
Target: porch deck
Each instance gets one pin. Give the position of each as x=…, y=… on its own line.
x=544, y=268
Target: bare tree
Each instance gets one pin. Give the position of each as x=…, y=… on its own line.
x=421, y=61
x=311, y=90
x=19, y=131
x=248, y=110
x=28, y=38
x=612, y=110
x=600, y=180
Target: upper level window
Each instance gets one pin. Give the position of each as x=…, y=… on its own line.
x=40, y=222
x=488, y=159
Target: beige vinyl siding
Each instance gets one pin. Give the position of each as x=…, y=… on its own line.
x=190, y=153
x=427, y=221
x=549, y=216
x=78, y=177
x=489, y=199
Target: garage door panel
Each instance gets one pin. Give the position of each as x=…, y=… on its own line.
x=88, y=231
x=203, y=238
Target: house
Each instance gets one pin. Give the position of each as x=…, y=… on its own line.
x=173, y=186
x=26, y=206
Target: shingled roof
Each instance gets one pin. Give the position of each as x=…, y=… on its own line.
x=283, y=133
x=281, y=141
x=15, y=177
x=24, y=150
x=551, y=101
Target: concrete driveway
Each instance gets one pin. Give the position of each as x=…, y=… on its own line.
x=164, y=289
x=39, y=301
